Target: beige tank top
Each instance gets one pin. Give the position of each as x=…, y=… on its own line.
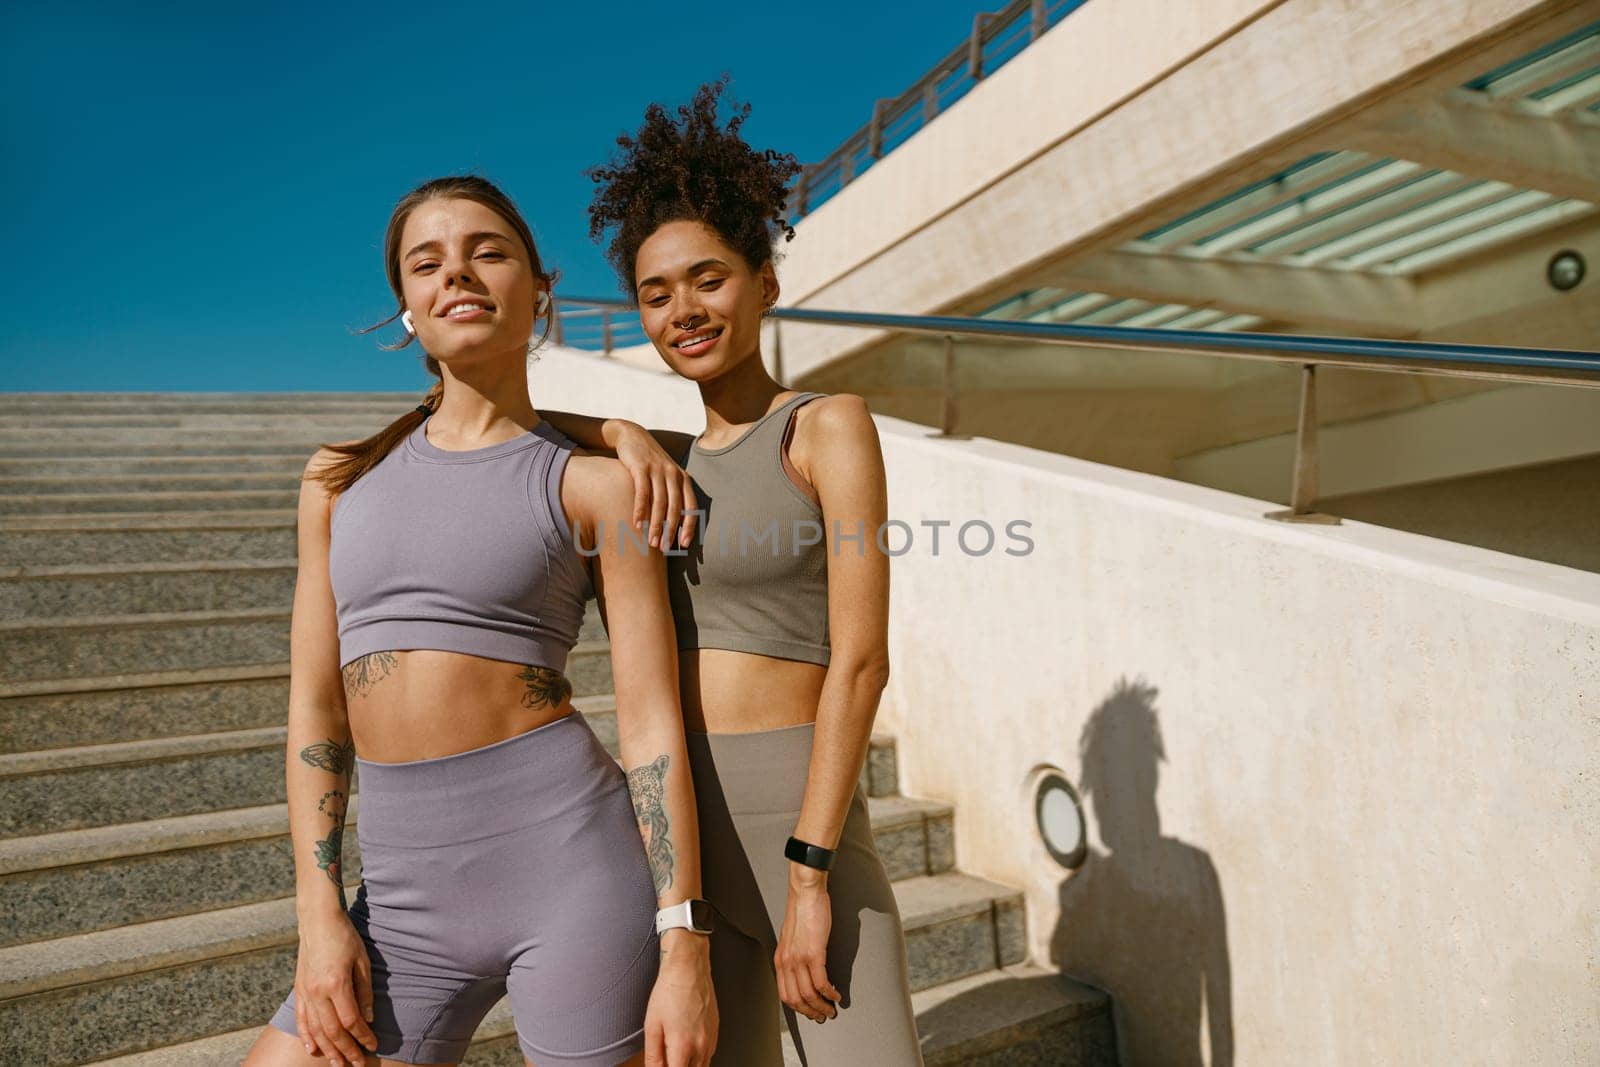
x=756, y=578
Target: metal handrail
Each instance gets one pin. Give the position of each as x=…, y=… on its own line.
x=949, y=80
x=1551, y=366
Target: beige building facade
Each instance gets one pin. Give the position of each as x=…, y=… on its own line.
x=1340, y=783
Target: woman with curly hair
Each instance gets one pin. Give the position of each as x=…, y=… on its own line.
x=440, y=590
x=780, y=599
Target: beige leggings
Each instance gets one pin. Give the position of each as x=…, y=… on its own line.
x=748, y=789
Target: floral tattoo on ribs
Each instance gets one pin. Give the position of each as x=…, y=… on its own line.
x=546, y=688
x=364, y=672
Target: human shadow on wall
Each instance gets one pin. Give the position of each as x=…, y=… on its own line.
x=1143, y=918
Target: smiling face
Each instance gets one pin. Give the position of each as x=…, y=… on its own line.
x=699, y=302
x=467, y=279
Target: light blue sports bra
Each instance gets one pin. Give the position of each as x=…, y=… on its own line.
x=460, y=551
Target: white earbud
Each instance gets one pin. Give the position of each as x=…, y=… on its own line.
x=543, y=304
x=405, y=320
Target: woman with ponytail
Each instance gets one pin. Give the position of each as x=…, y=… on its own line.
x=783, y=645
x=440, y=589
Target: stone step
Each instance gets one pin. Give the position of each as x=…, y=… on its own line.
x=92, y=996
x=122, y=589
x=104, y=709
x=90, y=443
x=87, y=646
x=81, y=647
x=78, y=881
x=135, y=781
x=44, y=791
x=1016, y=1016
x=880, y=776
x=958, y=925
x=129, y=589
x=90, y=542
x=1021, y=1016
x=178, y=442
x=81, y=881
x=36, y=716
x=220, y=403
x=53, y=426
x=142, y=522
x=289, y=463
x=222, y=421
x=192, y=445
x=202, y=500
x=93, y=483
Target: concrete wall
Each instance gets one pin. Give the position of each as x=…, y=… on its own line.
x=1343, y=782
x=1343, y=779
x=570, y=379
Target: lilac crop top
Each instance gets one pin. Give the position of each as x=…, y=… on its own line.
x=460, y=551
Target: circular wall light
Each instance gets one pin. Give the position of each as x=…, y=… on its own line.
x=1059, y=815
x=1565, y=270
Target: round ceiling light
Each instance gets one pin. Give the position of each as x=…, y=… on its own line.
x=1565, y=270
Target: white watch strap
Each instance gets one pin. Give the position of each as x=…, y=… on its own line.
x=674, y=917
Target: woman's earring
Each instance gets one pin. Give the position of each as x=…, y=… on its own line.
x=405, y=320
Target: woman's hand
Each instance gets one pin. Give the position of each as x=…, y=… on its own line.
x=802, y=956
x=662, y=491
x=333, y=991
x=680, y=1024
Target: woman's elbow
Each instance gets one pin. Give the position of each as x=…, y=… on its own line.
x=865, y=671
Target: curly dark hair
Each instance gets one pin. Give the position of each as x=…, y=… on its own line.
x=691, y=167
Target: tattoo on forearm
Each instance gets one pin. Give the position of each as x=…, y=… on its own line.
x=546, y=687
x=360, y=675
x=330, y=755
x=330, y=850
x=648, y=787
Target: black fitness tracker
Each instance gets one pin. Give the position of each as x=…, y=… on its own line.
x=808, y=855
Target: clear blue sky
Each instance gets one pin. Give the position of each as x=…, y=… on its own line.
x=198, y=196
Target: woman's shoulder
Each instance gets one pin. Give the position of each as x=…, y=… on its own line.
x=600, y=487
x=834, y=418
x=319, y=467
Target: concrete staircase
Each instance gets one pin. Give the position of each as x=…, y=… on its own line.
x=146, y=571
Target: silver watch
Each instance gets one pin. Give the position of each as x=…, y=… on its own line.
x=693, y=915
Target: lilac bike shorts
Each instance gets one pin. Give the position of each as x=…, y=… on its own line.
x=512, y=869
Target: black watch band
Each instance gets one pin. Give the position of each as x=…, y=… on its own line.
x=808, y=855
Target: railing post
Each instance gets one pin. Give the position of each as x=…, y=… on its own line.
x=1037, y=23
x=947, y=398
x=847, y=165
x=803, y=191
x=1303, y=491
x=555, y=322
x=605, y=330
x=875, y=131
x=930, y=101
x=975, y=46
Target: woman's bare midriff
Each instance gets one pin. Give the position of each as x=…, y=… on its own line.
x=424, y=704
x=727, y=692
